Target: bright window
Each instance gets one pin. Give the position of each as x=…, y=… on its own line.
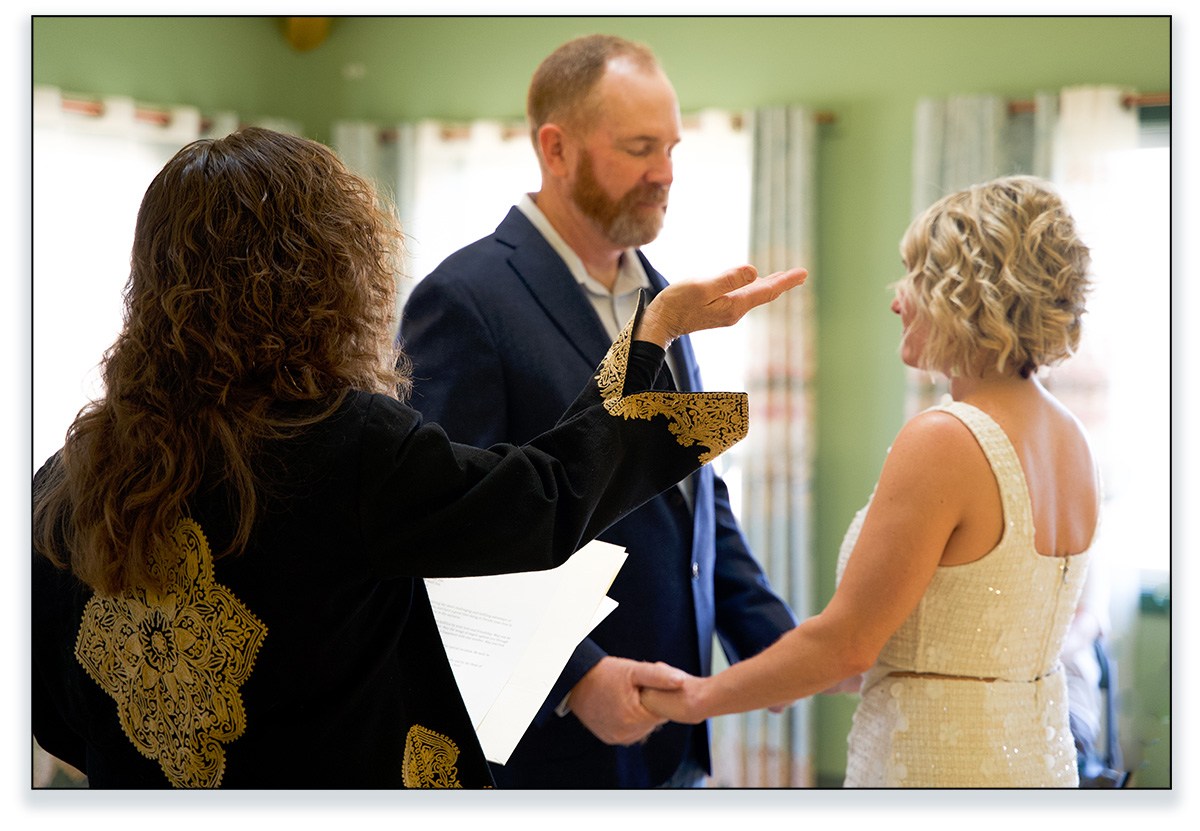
x=87, y=189
x=1119, y=384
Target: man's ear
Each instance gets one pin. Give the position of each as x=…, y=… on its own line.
x=552, y=144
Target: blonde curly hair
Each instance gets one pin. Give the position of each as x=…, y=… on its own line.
x=999, y=275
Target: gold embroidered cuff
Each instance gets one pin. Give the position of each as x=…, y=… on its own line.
x=712, y=420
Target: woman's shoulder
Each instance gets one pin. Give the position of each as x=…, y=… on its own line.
x=937, y=453
x=935, y=432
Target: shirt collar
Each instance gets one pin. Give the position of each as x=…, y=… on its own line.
x=631, y=276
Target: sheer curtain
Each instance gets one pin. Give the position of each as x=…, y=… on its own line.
x=1119, y=382
x=452, y=183
x=965, y=140
x=762, y=749
x=89, y=174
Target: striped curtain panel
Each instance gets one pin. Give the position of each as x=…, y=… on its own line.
x=962, y=141
x=425, y=167
x=763, y=749
x=386, y=157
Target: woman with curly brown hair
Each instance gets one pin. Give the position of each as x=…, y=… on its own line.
x=958, y=581
x=228, y=548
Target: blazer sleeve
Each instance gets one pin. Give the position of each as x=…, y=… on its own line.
x=750, y=616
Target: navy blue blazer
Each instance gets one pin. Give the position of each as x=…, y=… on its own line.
x=502, y=339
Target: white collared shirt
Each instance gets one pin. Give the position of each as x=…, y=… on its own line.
x=613, y=307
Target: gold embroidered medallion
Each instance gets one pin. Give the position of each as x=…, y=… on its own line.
x=429, y=760
x=714, y=420
x=174, y=659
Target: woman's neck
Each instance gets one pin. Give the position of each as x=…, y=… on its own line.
x=992, y=383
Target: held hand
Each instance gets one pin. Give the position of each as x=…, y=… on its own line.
x=606, y=699
x=679, y=705
x=689, y=306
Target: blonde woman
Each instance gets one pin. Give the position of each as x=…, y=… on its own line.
x=958, y=581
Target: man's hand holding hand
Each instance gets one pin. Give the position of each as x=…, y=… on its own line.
x=607, y=700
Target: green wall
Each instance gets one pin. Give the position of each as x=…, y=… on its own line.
x=868, y=72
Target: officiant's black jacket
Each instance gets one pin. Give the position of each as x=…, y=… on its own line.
x=312, y=660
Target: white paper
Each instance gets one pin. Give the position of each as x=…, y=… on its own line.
x=508, y=636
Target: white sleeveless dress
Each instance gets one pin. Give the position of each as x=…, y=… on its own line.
x=1002, y=617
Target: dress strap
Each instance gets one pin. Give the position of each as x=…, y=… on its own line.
x=1002, y=456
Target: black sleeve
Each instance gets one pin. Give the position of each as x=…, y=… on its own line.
x=433, y=508
x=54, y=616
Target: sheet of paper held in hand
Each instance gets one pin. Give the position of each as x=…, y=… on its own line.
x=508, y=636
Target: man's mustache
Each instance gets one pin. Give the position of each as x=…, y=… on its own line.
x=652, y=194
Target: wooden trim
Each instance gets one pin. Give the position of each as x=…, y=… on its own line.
x=1147, y=99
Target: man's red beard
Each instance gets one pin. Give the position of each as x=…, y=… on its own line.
x=623, y=221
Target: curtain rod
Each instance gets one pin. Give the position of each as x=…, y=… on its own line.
x=516, y=129
x=159, y=118
x=1147, y=99
x=162, y=118
x=821, y=117
x=94, y=108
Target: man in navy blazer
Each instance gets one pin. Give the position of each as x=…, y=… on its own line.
x=504, y=334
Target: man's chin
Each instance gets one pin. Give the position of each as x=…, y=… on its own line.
x=632, y=236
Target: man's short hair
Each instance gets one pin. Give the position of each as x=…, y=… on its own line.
x=562, y=86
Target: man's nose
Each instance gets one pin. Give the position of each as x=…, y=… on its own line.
x=663, y=171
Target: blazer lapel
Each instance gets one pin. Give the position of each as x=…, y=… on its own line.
x=553, y=286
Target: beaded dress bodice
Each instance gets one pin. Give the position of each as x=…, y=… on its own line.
x=1002, y=617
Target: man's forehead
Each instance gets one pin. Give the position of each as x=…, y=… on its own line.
x=641, y=126
x=637, y=105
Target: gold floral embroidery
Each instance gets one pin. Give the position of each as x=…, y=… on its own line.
x=714, y=420
x=429, y=760
x=174, y=659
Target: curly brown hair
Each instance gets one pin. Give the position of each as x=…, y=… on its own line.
x=261, y=291
x=1000, y=274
